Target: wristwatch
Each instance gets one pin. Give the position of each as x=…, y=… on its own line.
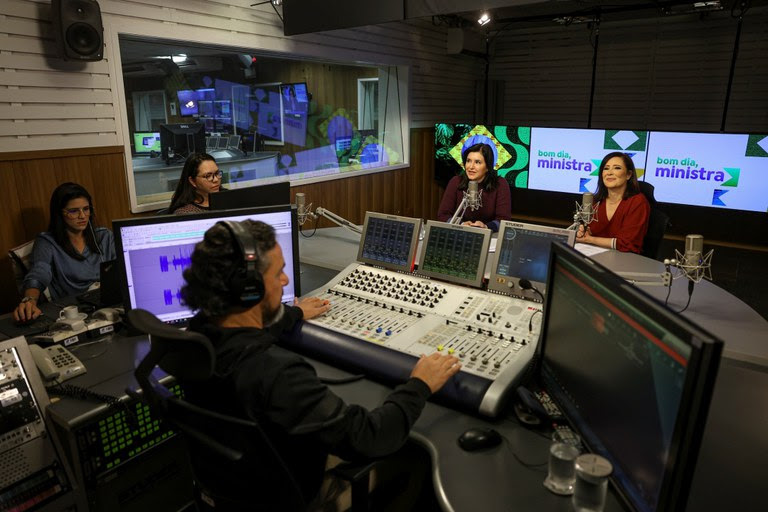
x=27, y=298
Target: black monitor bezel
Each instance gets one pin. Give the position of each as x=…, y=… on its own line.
x=270, y=194
x=168, y=219
x=416, y=223
x=697, y=391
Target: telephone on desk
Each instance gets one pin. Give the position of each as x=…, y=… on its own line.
x=56, y=364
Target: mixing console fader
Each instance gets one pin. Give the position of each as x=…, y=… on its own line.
x=382, y=320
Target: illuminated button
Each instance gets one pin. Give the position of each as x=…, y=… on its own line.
x=439, y=348
x=379, y=329
x=450, y=351
x=388, y=333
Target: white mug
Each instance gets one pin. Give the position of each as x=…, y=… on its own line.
x=69, y=312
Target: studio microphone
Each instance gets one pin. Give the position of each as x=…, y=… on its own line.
x=587, y=212
x=694, y=262
x=474, y=200
x=301, y=209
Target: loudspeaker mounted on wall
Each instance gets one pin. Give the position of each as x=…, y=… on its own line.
x=78, y=29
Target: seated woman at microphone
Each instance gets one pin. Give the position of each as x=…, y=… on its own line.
x=66, y=259
x=199, y=178
x=493, y=191
x=622, y=211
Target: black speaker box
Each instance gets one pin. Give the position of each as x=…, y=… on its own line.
x=78, y=29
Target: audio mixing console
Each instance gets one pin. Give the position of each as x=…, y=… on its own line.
x=381, y=321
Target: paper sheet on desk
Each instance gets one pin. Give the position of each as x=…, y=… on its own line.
x=589, y=250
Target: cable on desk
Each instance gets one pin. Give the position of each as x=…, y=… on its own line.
x=113, y=403
x=533, y=466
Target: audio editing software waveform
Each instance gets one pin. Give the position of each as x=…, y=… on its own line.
x=168, y=296
x=453, y=253
x=388, y=241
x=180, y=262
x=157, y=276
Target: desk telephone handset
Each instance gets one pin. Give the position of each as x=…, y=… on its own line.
x=56, y=363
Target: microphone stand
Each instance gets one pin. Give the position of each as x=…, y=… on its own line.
x=459, y=214
x=336, y=219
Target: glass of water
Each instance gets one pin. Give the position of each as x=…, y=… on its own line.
x=565, y=447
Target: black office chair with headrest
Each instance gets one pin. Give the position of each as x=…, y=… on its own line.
x=658, y=221
x=257, y=478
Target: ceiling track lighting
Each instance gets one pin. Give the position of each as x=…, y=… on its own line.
x=484, y=19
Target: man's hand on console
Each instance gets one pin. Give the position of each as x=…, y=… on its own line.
x=436, y=369
x=313, y=306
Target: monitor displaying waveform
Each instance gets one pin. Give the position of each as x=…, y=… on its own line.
x=455, y=253
x=156, y=251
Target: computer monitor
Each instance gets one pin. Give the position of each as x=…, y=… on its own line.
x=188, y=102
x=181, y=140
x=522, y=252
x=154, y=251
x=271, y=194
x=389, y=241
x=211, y=143
x=632, y=377
x=455, y=253
x=146, y=142
x=223, y=142
x=233, y=141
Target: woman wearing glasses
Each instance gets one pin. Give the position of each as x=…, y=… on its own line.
x=199, y=178
x=66, y=258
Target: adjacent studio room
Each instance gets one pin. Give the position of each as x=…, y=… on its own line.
x=413, y=255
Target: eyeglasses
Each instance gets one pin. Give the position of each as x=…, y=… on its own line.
x=74, y=213
x=211, y=176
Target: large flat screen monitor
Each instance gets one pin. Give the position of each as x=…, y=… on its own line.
x=389, y=241
x=633, y=378
x=181, y=140
x=455, y=253
x=522, y=252
x=272, y=194
x=154, y=251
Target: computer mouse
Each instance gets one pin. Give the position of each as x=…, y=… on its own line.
x=479, y=439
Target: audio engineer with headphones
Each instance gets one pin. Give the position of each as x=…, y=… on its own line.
x=66, y=258
x=235, y=282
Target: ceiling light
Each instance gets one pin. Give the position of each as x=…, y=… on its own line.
x=182, y=57
x=484, y=19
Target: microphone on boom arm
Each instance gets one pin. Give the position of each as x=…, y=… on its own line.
x=585, y=213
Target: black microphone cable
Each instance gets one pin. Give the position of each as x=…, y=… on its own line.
x=691, y=284
x=527, y=285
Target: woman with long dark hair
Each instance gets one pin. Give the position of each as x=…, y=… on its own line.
x=66, y=258
x=622, y=210
x=199, y=178
x=493, y=191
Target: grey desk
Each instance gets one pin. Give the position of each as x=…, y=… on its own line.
x=731, y=465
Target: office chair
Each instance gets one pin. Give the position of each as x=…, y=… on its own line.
x=21, y=262
x=256, y=478
x=658, y=221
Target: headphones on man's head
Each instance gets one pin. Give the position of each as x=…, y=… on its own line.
x=246, y=282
